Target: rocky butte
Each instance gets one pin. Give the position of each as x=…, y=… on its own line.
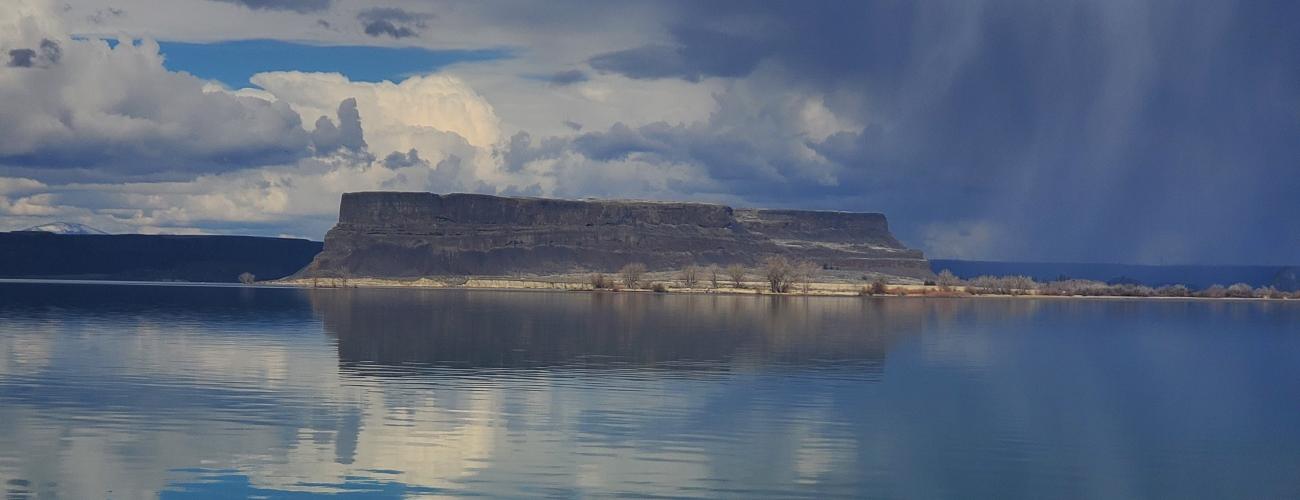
x=411, y=235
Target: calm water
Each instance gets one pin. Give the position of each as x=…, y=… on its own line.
x=113, y=391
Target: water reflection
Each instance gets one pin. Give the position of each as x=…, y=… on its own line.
x=231, y=392
x=479, y=329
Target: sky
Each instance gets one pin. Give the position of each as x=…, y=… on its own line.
x=1153, y=132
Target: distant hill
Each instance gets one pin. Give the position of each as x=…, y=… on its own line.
x=65, y=228
x=1196, y=276
x=39, y=254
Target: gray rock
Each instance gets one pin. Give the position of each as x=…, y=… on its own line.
x=408, y=235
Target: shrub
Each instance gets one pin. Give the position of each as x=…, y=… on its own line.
x=1213, y=292
x=247, y=278
x=599, y=281
x=1269, y=292
x=737, y=274
x=1072, y=287
x=1173, y=291
x=878, y=287
x=632, y=274
x=1240, y=291
x=1129, y=290
x=659, y=287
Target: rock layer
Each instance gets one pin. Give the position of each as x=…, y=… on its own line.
x=408, y=235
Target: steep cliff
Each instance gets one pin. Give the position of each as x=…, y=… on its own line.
x=406, y=235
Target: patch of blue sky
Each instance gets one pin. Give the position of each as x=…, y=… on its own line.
x=235, y=62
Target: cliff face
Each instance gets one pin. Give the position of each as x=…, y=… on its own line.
x=406, y=235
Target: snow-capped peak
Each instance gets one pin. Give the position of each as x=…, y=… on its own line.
x=65, y=228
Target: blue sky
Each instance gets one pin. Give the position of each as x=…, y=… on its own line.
x=1087, y=131
x=234, y=62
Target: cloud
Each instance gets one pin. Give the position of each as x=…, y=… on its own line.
x=1102, y=131
x=102, y=16
x=347, y=135
x=299, y=6
x=398, y=116
x=48, y=53
x=394, y=22
x=567, y=77
x=520, y=151
x=85, y=108
x=398, y=160
x=21, y=58
x=700, y=53
x=18, y=185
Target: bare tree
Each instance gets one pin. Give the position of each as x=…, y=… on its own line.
x=737, y=274
x=632, y=274
x=778, y=271
x=247, y=278
x=1002, y=285
x=599, y=281
x=805, y=272
x=946, y=280
x=690, y=276
x=713, y=271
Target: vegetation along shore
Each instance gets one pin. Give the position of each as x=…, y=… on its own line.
x=781, y=276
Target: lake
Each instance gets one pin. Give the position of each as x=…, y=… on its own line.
x=139, y=391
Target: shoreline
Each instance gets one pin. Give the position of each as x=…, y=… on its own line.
x=520, y=285
x=750, y=288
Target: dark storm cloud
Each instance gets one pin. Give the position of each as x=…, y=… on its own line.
x=47, y=53
x=521, y=149
x=701, y=52
x=394, y=22
x=50, y=49
x=299, y=6
x=382, y=27
x=398, y=160
x=1152, y=131
x=21, y=58
x=567, y=77
x=734, y=159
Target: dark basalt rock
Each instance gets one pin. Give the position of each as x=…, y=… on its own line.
x=408, y=235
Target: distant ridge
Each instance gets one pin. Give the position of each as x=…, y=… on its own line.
x=150, y=257
x=64, y=228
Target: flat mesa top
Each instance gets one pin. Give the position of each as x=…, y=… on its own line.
x=743, y=211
